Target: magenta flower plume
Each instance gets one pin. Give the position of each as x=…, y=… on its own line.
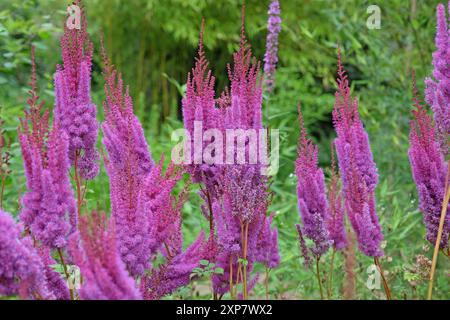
x=437, y=90
x=95, y=252
x=267, y=245
x=243, y=109
x=357, y=169
x=128, y=163
x=199, y=109
x=429, y=172
x=240, y=221
x=175, y=273
x=162, y=209
x=336, y=224
x=55, y=283
x=21, y=269
x=271, y=55
x=311, y=194
x=164, y=215
x=74, y=109
x=48, y=205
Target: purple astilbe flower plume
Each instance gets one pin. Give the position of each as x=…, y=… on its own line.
x=48, y=205
x=437, y=90
x=336, y=224
x=429, y=171
x=357, y=168
x=164, y=213
x=95, y=252
x=267, y=245
x=304, y=251
x=128, y=163
x=162, y=209
x=199, y=110
x=243, y=109
x=231, y=238
x=271, y=55
x=175, y=273
x=311, y=193
x=21, y=269
x=240, y=220
x=74, y=109
x=55, y=283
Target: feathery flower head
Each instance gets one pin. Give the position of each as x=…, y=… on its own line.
x=175, y=273
x=311, y=193
x=48, y=205
x=95, y=251
x=21, y=269
x=429, y=171
x=267, y=245
x=162, y=209
x=271, y=55
x=437, y=92
x=336, y=224
x=74, y=109
x=128, y=164
x=357, y=168
x=244, y=107
x=55, y=283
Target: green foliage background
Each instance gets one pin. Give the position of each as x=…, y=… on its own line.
x=153, y=43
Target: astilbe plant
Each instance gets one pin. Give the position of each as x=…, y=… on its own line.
x=128, y=164
x=357, y=169
x=147, y=217
x=163, y=211
x=336, y=220
x=271, y=55
x=199, y=107
x=311, y=194
x=95, y=251
x=429, y=171
x=312, y=198
x=235, y=192
x=48, y=205
x=437, y=92
x=74, y=109
x=21, y=269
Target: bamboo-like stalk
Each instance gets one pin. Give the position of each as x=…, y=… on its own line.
x=66, y=273
x=330, y=280
x=266, y=283
x=244, y=273
x=385, y=284
x=439, y=235
x=318, y=277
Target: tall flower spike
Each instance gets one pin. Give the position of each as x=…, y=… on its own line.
x=21, y=269
x=429, y=171
x=174, y=274
x=164, y=215
x=267, y=245
x=336, y=224
x=96, y=253
x=311, y=193
x=199, y=109
x=48, y=205
x=437, y=92
x=162, y=209
x=271, y=55
x=74, y=110
x=357, y=168
x=128, y=164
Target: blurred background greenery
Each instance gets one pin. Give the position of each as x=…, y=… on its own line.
x=153, y=43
